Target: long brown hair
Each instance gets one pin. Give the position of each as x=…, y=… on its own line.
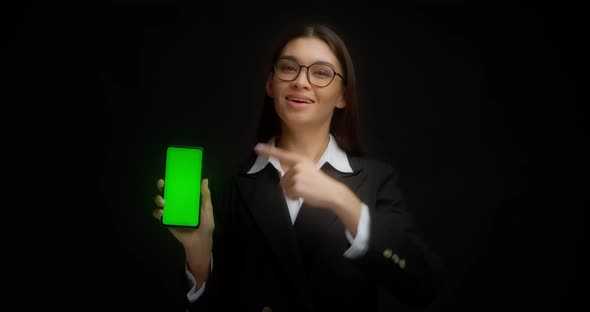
x=344, y=123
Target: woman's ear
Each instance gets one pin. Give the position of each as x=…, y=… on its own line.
x=269, y=85
x=341, y=103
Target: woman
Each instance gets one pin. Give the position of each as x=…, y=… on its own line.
x=307, y=223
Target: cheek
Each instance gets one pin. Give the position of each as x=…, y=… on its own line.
x=277, y=93
x=277, y=90
x=328, y=99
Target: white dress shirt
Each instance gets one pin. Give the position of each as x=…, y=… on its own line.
x=339, y=160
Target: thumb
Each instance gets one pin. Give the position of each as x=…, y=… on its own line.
x=206, y=196
x=205, y=189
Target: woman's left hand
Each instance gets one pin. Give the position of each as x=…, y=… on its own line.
x=303, y=178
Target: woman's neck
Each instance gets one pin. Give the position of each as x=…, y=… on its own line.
x=310, y=143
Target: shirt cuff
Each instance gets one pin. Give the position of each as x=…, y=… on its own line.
x=360, y=243
x=194, y=294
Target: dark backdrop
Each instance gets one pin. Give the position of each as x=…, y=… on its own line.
x=477, y=106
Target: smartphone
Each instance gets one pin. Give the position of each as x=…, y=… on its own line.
x=182, y=186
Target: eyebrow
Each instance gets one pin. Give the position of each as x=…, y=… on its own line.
x=318, y=62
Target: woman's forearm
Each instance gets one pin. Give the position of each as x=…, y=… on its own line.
x=347, y=207
x=198, y=259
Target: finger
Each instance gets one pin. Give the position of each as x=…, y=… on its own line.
x=205, y=192
x=160, y=202
x=157, y=213
x=205, y=197
x=285, y=157
x=288, y=179
x=288, y=184
x=160, y=184
x=206, y=205
x=291, y=172
x=292, y=192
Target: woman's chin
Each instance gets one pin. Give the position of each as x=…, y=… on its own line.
x=296, y=122
x=295, y=117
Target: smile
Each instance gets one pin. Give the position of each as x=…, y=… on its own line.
x=299, y=100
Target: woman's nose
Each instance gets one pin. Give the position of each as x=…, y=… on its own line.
x=301, y=81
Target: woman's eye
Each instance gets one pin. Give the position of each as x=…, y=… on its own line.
x=288, y=68
x=321, y=73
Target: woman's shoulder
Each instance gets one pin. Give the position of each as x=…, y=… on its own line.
x=377, y=170
x=372, y=164
x=245, y=163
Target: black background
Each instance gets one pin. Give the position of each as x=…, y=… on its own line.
x=477, y=106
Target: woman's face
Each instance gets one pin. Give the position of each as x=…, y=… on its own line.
x=299, y=103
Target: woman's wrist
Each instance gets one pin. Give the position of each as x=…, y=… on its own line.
x=198, y=253
x=343, y=199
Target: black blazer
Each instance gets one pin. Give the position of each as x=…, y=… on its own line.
x=261, y=260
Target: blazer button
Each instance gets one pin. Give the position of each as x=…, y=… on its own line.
x=395, y=258
x=266, y=309
x=387, y=253
x=402, y=264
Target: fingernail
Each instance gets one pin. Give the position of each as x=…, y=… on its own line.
x=258, y=147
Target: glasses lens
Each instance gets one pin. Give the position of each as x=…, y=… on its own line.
x=286, y=69
x=321, y=75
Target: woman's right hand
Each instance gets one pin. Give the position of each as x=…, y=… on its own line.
x=191, y=237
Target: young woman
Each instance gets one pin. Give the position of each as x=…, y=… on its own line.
x=307, y=223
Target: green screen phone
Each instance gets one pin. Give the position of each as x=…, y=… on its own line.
x=182, y=186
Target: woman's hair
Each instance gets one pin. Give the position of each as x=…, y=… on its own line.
x=344, y=123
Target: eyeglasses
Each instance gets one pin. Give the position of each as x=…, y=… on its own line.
x=319, y=74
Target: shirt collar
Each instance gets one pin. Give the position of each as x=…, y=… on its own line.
x=333, y=155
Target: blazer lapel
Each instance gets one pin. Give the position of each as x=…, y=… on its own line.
x=265, y=200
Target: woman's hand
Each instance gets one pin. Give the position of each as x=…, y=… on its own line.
x=303, y=179
x=191, y=238
x=197, y=243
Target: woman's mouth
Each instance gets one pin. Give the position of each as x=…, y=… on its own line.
x=298, y=101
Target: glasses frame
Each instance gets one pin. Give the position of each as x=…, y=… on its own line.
x=307, y=71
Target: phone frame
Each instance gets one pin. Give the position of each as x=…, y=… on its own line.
x=200, y=193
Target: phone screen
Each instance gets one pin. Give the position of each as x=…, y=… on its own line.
x=182, y=186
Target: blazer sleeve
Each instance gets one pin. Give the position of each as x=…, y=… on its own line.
x=220, y=287
x=397, y=257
